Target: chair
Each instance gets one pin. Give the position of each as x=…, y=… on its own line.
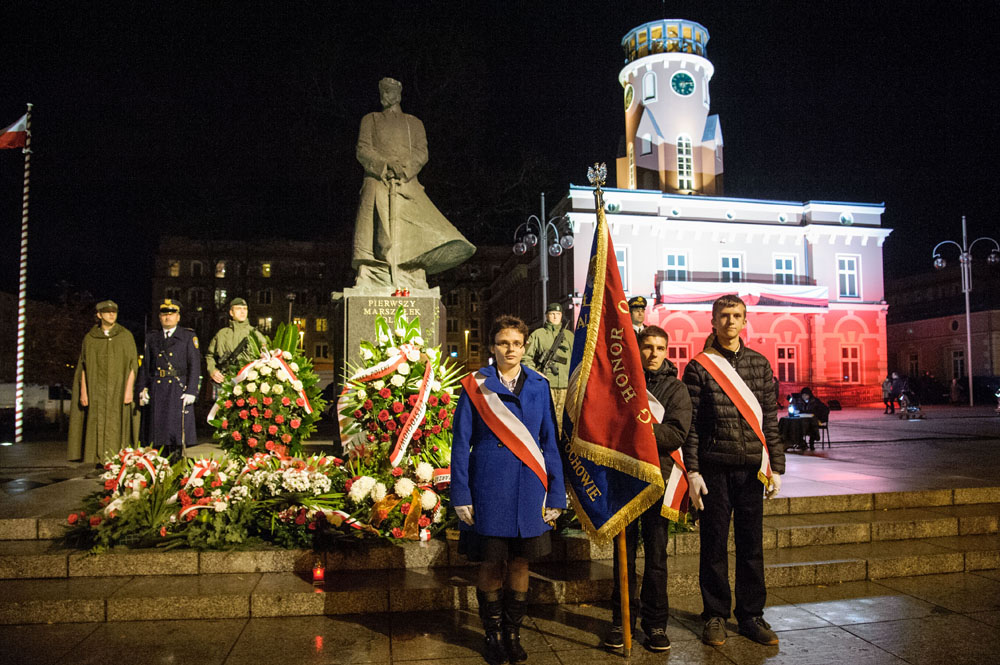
x=824, y=433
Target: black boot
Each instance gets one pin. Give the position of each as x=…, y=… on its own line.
x=490, y=611
x=514, y=605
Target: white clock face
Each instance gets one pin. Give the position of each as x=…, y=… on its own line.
x=682, y=83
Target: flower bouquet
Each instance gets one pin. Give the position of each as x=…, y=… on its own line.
x=270, y=404
x=396, y=415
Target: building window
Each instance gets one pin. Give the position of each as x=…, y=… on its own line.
x=321, y=325
x=786, y=364
x=679, y=354
x=913, y=363
x=731, y=268
x=474, y=349
x=784, y=269
x=172, y=294
x=299, y=322
x=197, y=296
x=451, y=300
x=621, y=256
x=685, y=163
x=264, y=324
x=174, y=268
x=958, y=364
x=322, y=351
x=264, y=297
x=197, y=269
x=677, y=267
x=850, y=363
x=453, y=350
x=452, y=326
x=847, y=276
x=265, y=269
x=220, y=298
x=645, y=145
x=649, y=87
x=220, y=269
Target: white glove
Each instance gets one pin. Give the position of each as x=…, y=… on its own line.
x=187, y=399
x=551, y=514
x=775, y=486
x=144, y=397
x=696, y=488
x=465, y=514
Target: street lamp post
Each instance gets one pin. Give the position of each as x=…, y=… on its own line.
x=291, y=299
x=466, y=348
x=527, y=238
x=965, y=261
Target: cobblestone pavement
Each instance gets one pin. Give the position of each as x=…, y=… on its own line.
x=952, y=619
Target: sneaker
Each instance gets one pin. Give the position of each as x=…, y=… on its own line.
x=714, y=633
x=656, y=639
x=615, y=638
x=759, y=631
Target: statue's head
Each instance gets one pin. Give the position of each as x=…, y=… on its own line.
x=390, y=91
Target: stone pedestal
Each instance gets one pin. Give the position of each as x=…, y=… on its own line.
x=359, y=307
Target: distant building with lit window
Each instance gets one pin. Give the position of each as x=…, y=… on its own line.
x=810, y=271
x=281, y=280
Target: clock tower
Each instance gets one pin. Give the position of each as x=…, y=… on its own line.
x=671, y=143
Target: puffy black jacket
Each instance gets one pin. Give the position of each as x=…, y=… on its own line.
x=673, y=395
x=719, y=434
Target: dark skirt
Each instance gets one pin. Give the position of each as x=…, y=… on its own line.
x=496, y=549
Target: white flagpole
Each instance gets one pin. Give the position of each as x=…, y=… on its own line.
x=22, y=288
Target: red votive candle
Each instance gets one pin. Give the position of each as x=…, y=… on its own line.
x=319, y=574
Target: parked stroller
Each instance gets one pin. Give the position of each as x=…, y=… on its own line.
x=909, y=406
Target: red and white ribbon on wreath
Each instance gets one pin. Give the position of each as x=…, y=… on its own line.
x=347, y=519
x=442, y=477
x=378, y=371
x=140, y=460
x=193, y=507
x=265, y=359
x=255, y=462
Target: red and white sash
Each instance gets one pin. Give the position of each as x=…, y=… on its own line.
x=505, y=425
x=675, y=497
x=737, y=390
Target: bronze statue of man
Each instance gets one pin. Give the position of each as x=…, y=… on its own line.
x=400, y=237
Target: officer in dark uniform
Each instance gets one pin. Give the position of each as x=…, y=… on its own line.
x=637, y=310
x=168, y=383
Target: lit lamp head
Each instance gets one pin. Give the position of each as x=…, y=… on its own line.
x=939, y=262
x=520, y=248
x=994, y=258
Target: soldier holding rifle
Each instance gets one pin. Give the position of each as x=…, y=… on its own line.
x=548, y=352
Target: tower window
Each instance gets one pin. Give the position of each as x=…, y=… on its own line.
x=646, y=145
x=649, y=87
x=685, y=163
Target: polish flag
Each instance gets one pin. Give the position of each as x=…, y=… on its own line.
x=15, y=135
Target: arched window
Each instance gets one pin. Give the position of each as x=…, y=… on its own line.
x=649, y=87
x=685, y=163
x=197, y=268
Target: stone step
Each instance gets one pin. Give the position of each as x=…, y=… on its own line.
x=50, y=527
x=270, y=594
x=22, y=559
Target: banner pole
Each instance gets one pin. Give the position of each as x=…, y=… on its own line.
x=22, y=288
x=624, y=595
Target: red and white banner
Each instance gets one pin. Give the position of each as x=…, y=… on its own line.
x=770, y=295
x=505, y=425
x=16, y=135
x=739, y=392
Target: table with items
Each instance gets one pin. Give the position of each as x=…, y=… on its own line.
x=795, y=429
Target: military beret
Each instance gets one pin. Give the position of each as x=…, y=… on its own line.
x=637, y=303
x=170, y=305
x=106, y=306
x=237, y=302
x=554, y=307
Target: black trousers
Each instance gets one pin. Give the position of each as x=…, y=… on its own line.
x=735, y=492
x=651, y=603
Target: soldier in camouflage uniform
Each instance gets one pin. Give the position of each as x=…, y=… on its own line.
x=548, y=352
x=228, y=349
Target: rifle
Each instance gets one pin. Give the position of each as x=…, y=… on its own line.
x=547, y=358
x=223, y=363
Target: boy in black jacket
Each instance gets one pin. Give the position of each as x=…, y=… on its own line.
x=671, y=432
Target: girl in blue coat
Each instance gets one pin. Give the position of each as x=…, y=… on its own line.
x=504, y=446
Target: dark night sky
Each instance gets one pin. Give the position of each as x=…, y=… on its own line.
x=218, y=120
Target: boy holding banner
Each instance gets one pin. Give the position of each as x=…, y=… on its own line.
x=506, y=483
x=734, y=458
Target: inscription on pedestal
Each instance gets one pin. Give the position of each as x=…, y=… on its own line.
x=360, y=312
